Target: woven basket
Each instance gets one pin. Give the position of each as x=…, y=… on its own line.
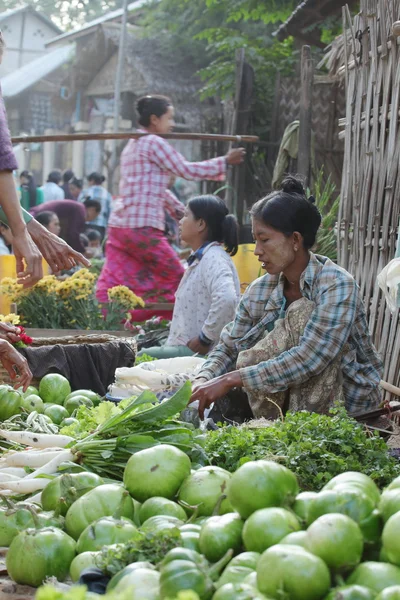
x=99, y=338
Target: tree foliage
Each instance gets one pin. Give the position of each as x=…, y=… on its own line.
x=208, y=32
x=66, y=14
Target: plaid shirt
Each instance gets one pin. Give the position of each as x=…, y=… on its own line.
x=338, y=319
x=146, y=168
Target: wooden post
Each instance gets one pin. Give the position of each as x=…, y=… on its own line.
x=118, y=77
x=307, y=76
x=230, y=180
x=246, y=98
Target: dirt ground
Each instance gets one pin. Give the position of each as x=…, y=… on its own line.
x=8, y=589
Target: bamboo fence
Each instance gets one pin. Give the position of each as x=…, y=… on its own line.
x=370, y=192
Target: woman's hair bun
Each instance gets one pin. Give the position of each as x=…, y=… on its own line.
x=151, y=105
x=141, y=104
x=292, y=185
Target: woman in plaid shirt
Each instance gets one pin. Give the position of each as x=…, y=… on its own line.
x=300, y=335
x=137, y=252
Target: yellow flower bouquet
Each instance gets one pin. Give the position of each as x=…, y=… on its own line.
x=70, y=304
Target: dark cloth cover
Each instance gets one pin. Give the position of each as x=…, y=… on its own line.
x=86, y=366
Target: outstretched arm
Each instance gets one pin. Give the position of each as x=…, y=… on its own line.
x=166, y=157
x=24, y=248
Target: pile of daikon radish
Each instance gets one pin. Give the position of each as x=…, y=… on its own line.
x=44, y=454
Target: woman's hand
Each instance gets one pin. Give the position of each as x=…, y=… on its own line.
x=179, y=213
x=16, y=365
x=196, y=346
x=10, y=333
x=236, y=156
x=27, y=252
x=215, y=389
x=56, y=252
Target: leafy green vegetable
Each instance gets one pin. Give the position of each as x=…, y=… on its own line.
x=143, y=358
x=90, y=419
x=315, y=447
x=79, y=592
x=151, y=547
x=168, y=408
x=113, y=433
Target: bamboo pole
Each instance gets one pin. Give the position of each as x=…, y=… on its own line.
x=307, y=76
x=393, y=389
x=133, y=135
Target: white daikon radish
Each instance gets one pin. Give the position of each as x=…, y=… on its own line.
x=17, y=471
x=32, y=458
x=52, y=466
x=4, y=477
x=36, y=499
x=24, y=486
x=37, y=440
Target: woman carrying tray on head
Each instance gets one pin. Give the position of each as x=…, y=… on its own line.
x=137, y=252
x=300, y=338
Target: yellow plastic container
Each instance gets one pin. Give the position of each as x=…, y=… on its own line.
x=8, y=269
x=247, y=265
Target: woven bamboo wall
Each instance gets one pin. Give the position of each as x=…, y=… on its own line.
x=327, y=107
x=370, y=193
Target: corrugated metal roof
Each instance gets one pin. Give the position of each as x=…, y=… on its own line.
x=10, y=13
x=22, y=79
x=110, y=16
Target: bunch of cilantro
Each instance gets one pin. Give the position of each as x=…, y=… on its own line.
x=315, y=447
x=88, y=419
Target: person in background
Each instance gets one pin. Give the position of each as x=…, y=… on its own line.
x=68, y=175
x=49, y=220
x=96, y=191
x=75, y=188
x=94, y=243
x=6, y=240
x=93, y=210
x=209, y=291
x=72, y=216
x=51, y=189
x=138, y=254
x=31, y=195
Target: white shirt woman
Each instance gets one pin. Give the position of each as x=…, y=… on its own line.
x=209, y=291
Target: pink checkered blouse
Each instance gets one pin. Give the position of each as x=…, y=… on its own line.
x=146, y=168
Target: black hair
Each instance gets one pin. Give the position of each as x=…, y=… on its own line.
x=77, y=182
x=151, y=105
x=68, y=175
x=45, y=217
x=91, y=203
x=221, y=226
x=84, y=240
x=93, y=235
x=98, y=178
x=55, y=176
x=30, y=187
x=288, y=210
